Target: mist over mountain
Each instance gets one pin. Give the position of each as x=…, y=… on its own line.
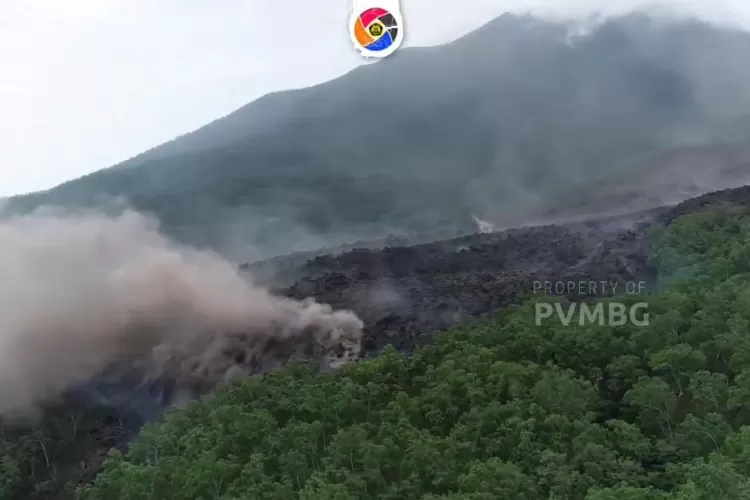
x=522, y=119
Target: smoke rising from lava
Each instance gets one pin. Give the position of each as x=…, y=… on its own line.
x=81, y=293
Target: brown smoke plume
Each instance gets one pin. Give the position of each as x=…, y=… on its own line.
x=81, y=293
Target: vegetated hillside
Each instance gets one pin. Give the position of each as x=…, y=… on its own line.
x=497, y=409
x=405, y=294
x=510, y=122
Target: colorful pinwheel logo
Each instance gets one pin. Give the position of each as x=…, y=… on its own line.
x=375, y=32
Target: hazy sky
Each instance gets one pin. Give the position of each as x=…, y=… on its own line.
x=85, y=84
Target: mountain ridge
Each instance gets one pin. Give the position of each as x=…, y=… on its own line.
x=494, y=124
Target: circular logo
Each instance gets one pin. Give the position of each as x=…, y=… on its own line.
x=375, y=32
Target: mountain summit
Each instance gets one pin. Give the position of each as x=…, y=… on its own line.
x=506, y=123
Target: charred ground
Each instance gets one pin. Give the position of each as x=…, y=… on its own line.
x=404, y=294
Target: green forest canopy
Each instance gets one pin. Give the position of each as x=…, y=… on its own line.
x=496, y=409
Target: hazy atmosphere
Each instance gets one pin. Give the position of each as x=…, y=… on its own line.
x=87, y=84
x=239, y=261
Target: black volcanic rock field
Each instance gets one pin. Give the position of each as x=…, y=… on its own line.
x=404, y=294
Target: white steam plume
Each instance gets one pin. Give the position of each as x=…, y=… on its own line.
x=80, y=293
x=483, y=226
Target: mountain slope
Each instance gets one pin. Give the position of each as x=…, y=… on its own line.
x=514, y=116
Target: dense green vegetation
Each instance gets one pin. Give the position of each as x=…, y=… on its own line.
x=497, y=409
x=48, y=455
